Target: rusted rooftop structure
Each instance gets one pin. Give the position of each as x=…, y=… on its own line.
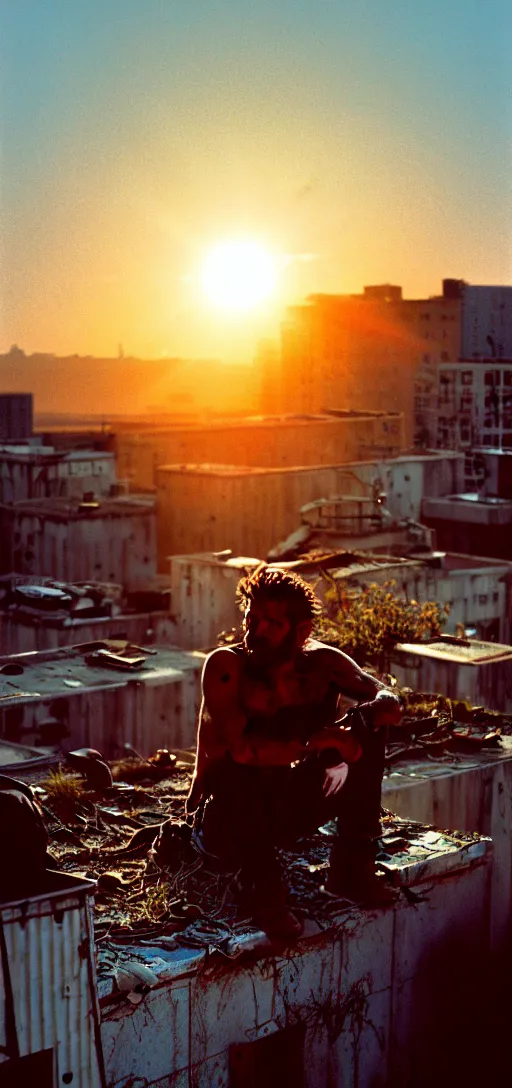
x=466, y=651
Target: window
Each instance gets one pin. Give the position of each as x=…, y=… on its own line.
x=467, y=377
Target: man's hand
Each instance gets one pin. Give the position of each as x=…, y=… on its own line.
x=339, y=738
x=385, y=709
x=334, y=779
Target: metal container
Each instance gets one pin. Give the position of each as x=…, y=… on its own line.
x=49, y=1015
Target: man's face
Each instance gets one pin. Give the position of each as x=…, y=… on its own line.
x=268, y=633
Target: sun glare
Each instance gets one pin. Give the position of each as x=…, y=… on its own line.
x=238, y=275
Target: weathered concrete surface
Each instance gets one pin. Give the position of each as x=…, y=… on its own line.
x=58, y=697
x=379, y=1000
x=470, y=794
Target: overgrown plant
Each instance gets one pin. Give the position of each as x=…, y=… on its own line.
x=367, y=623
x=65, y=792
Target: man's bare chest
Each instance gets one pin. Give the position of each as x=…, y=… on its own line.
x=266, y=695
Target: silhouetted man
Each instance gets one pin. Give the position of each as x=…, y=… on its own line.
x=273, y=763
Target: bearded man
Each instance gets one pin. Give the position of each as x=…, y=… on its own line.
x=273, y=760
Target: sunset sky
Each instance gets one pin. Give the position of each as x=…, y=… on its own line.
x=355, y=143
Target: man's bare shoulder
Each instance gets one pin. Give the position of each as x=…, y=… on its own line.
x=338, y=668
x=223, y=664
x=328, y=655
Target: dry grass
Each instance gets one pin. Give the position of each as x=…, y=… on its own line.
x=65, y=792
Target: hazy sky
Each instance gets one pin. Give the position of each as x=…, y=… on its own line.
x=364, y=142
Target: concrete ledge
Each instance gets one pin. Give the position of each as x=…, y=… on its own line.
x=349, y=1004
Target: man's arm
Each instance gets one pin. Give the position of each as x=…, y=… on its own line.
x=221, y=718
x=379, y=704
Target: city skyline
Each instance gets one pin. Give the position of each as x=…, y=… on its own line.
x=355, y=147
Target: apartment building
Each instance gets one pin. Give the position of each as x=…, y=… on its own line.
x=372, y=350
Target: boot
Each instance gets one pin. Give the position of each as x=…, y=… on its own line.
x=265, y=899
x=352, y=874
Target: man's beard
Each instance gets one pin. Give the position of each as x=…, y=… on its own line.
x=265, y=654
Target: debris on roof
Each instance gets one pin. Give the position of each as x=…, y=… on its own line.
x=159, y=903
x=434, y=727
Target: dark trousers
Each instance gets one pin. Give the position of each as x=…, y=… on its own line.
x=252, y=810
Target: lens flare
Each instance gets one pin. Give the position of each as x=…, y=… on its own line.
x=239, y=275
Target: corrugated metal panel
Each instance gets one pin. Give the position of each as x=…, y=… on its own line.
x=50, y=956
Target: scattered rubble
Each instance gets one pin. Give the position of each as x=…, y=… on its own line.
x=160, y=905
x=157, y=917
x=435, y=727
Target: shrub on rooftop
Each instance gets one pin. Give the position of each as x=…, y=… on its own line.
x=368, y=622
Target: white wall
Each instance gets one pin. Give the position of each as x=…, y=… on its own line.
x=110, y=548
x=472, y=795
x=381, y=997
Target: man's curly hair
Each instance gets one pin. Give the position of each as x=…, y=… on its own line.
x=273, y=584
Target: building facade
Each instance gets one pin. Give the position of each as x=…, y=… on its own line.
x=41, y=472
x=204, y=508
x=16, y=413
x=375, y=350
x=70, y=541
x=260, y=441
x=470, y=404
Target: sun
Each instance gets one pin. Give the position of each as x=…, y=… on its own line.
x=239, y=275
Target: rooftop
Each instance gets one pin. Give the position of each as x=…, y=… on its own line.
x=476, y=497
x=464, y=651
x=327, y=418
x=92, y=665
x=468, y=508
x=59, y=508
x=246, y=470
x=136, y=911
x=34, y=453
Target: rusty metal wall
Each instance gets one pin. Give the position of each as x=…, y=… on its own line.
x=247, y=511
x=395, y=960
x=50, y=955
